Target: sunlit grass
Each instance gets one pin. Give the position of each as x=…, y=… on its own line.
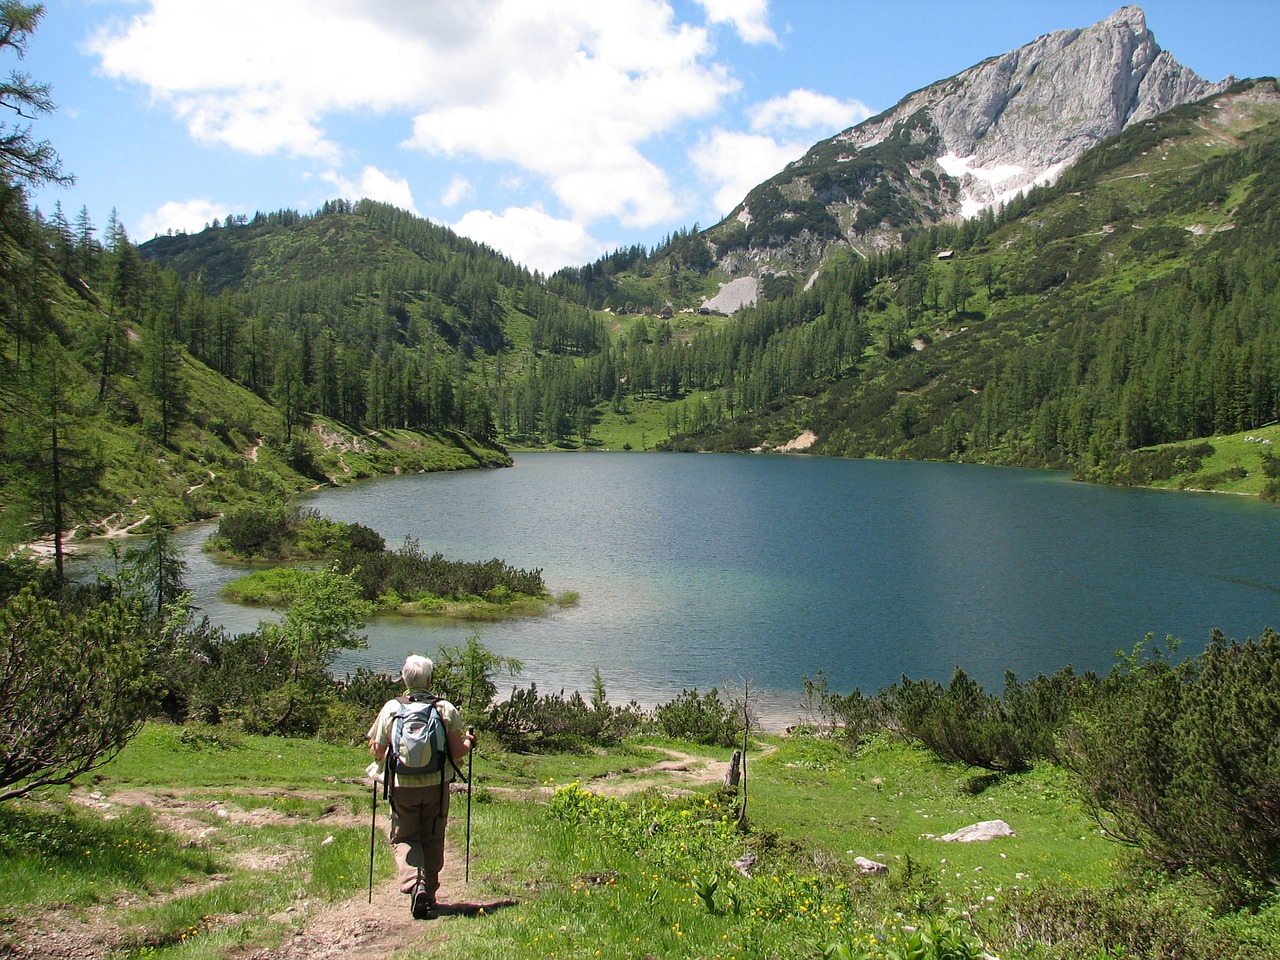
x=588, y=873
x=198, y=757
x=55, y=853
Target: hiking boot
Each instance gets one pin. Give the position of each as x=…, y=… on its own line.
x=423, y=904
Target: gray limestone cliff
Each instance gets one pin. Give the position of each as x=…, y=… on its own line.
x=960, y=145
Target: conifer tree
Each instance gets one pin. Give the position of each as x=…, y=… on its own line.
x=24, y=161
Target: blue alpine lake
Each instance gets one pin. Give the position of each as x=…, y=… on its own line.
x=699, y=570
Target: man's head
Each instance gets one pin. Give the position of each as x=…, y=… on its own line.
x=417, y=672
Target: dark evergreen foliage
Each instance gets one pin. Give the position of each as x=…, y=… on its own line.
x=965, y=724
x=700, y=718
x=1181, y=761
x=410, y=573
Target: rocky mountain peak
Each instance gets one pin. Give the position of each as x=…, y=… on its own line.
x=962, y=144
x=1022, y=117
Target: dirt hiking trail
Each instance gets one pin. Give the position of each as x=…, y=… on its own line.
x=353, y=929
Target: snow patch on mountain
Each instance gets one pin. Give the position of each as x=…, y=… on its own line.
x=983, y=187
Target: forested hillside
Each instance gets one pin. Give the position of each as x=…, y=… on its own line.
x=373, y=316
x=1132, y=303
x=109, y=412
x=129, y=391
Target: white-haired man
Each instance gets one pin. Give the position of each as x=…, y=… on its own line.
x=419, y=803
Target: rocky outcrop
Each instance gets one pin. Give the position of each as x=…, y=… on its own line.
x=979, y=832
x=962, y=144
x=1021, y=118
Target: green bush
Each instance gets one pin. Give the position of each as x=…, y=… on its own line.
x=344, y=723
x=852, y=716
x=279, y=531
x=1182, y=762
x=700, y=719
x=410, y=572
x=276, y=679
x=963, y=723
x=86, y=655
x=1067, y=923
x=255, y=531
x=555, y=722
x=369, y=689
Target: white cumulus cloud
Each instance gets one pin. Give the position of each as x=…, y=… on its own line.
x=459, y=189
x=262, y=77
x=531, y=236
x=374, y=184
x=750, y=18
x=181, y=216
x=583, y=87
x=572, y=93
x=807, y=111
x=732, y=163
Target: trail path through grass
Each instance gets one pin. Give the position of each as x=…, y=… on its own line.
x=357, y=929
x=351, y=928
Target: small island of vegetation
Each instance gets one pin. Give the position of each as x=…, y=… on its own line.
x=404, y=582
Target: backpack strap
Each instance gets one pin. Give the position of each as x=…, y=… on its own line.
x=389, y=760
x=389, y=771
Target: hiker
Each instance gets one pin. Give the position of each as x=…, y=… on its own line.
x=419, y=794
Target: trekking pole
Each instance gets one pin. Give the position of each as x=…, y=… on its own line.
x=471, y=733
x=373, y=832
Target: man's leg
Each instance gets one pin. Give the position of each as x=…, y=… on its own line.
x=435, y=818
x=408, y=818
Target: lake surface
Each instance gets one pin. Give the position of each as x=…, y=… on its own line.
x=697, y=570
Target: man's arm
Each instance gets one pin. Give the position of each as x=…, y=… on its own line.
x=460, y=743
x=379, y=750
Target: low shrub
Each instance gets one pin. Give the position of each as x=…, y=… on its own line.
x=1181, y=762
x=555, y=722
x=700, y=719
x=965, y=724
x=412, y=573
x=1065, y=923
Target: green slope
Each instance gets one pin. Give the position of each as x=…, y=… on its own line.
x=146, y=429
x=1133, y=303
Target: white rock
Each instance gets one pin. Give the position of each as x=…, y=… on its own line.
x=975, y=833
x=870, y=866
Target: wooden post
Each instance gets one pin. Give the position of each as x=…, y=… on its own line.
x=734, y=772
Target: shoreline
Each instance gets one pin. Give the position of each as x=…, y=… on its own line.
x=112, y=527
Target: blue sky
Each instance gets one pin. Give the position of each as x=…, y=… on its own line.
x=553, y=130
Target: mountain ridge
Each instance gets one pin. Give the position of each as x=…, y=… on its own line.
x=958, y=146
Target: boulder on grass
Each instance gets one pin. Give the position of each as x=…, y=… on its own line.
x=986, y=830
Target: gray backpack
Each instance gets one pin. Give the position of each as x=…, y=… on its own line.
x=419, y=740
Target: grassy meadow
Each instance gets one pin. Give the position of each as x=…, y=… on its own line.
x=201, y=842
